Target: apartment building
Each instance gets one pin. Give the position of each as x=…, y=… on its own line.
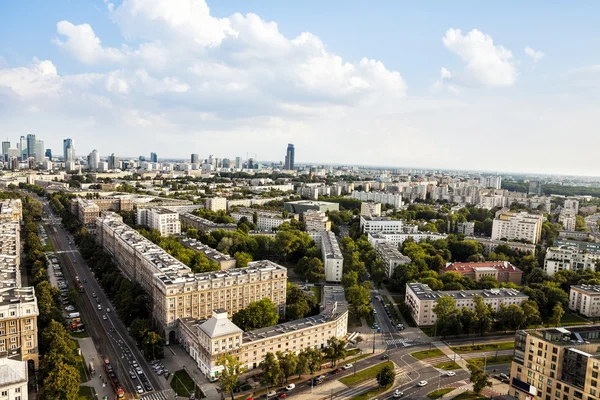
x=575, y=235
x=517, y=226
x=391, y=257
x=18, y=324
x=466, y=228
x=13, y=379
x=206, y=341
x=572, y=204
x=333, y=261
x=225, y=261
x=370, y=209
x=301, y=206
x=502, y=271
x=177, y=292
x=394, y=200
x=556, y=364
x=216, y=204
x=567, y=218
x=162, y=219
x=421, y=299
x=490, y=245
x=86, y=210
x=203, y=224
x=585, y=300
x=11, y=210
x=265, y=220
x=370, y=224
x=397, y=238
x=10, y=253
x=569, y=257
x=316, y=221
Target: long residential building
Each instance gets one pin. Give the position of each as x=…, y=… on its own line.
x=370, y=224
x=225, y=261
x=391, y=257
x=203, y=224
x=490, y=245
x=265, y=220
x=10, y=253
x=316, y=221
x=397, y=238
x=421, y=299
x=394, y=200
x=162, y=219
x=585, y=300
x=517, y=226
x=206, y=341
x=333, y=261
x=561, y=363
x=569, y=257
x=178, y=293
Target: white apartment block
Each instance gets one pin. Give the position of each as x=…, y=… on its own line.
x=216, y=204
x=370, y=209
x=265, y=221
x=397, y=238
x=163, y=220
x=395, y=200
x=570, y=258
x=391, y=257
x=177, y=292
x=572, y=204
x=379, y=224
x=568, y=219
x=494, y=182
x=10, y=253
x=13, y=379
x=466, y=228
x=333, y=261
x=421, y=300
x=517, y=226
x=585, y=300
x=316, y=221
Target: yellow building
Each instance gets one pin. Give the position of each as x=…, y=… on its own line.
x=18, y=324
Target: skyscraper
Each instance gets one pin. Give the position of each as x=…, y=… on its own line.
x=289, y=157
x=39, y=151
x=535, y=188
x=93, y=160
x=238, y=162
x=113, y=162
x=195, y=158
x=68, y=150
x=23, y=148
x=153, y=157
x=31, y=145
x=5, y=147
x=49, y=154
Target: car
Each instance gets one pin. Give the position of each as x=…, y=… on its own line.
x=374, y=312
x=94, y=295
x=132, y=375
x=282, y=396
x=154, y=362
x=450, y=373
x=69, y=308
x=272, y=393
x=104, y=317
x=107, y=309
x=503, y=376
x=99, y=306
x=139, y=389
x=289, y=387
x=347, y=366
x=139, y=371
x=159, y=371
x=397, y=394
x=422, y=383
x=336, y=371
x=147, y=386
x=374, y=326
x=384, y=357
x=134, y=363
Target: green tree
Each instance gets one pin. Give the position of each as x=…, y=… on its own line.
x=386, y=376
x=242, y=259
x=532, y=313
x=445, y=310
x=287, y=363
x=298, y=303
x=510, y=317
x=557, y=314
x=314, y=359
x=478, y=377
x=258, y=314
x=301, y=364
x=232, y=369
x=153, y=345
x=335, y=350
x=62, y=382
x=272, y=372
x=138, y=329
x=483, y=315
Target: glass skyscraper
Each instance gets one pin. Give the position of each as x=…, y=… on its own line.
x=289, y=157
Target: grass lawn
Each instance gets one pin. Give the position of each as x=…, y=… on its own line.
x=317, y=291
x=484, y=347
x=80, y=335
x=86, y=393
x=492, y=360
x=365, y=374
x=469, y=396
x=448, y=365
x=573, y=319
x=83, y=371
x=182, y=384
x=436, y=394
x=398, y=299
x=423, y=354
x=371, y=393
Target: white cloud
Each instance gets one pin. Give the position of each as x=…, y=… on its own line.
x=445, y=81
x=535, y=55
x=29, y=83
x=83, y=44
x=487, y=64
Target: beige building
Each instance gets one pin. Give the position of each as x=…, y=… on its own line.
x=162, y=219
x=585, y=300
x=316, y=221
x=10, y=253
x=421, y=299
x=202, y=224
x=370, y=209
x=556, y=364
x=175, y=290
x=18, y=324
x=567, y=219
x=11, y=210
x=206, y=341
x=333, y=261
x=517, y=226
x=216, y=204
x=225, y=261
x=13, y=379
x=391, y=257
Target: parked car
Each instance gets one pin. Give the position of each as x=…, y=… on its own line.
x=99, y=306
x=289, y=387
x=139, y=389
x=422, y=383
x=104, y=317
x=347, y=366
x=282, y=396
x=94, y=295
x=336, y=371
x=397, y=394
x=272, y=393
x=139, y=371
x=132, y=375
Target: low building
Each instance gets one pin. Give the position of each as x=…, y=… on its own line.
x=466, y=228
x=11, y=210
x=575, y=235
x=502, y=271
x=316, y=221
x=13, y=379
x=301, y=206
x=585, y=300
x=397, y=238
x=163, y=220
x=203, y=224
x=370, y=209
x=333, y=261
x=225, y=261
x=421, y=300
x=391, y=257
x=265, y=220
x=380, y=224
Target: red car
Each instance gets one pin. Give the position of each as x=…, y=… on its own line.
x=282, y=396
x=337, y=371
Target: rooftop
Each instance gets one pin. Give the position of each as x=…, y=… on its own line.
x=330, y=245
x=219, y=325
x=588, y=289
x=424, y=292
x=206, y=250
x=311, y=202
x=12, y=371
x=570, y=336
x=390, y=251
x=500, y=266
x=206, y=222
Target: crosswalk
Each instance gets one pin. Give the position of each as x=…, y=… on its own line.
x=163, y=395
x=404, y=342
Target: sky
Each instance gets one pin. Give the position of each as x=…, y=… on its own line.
x=495, y=86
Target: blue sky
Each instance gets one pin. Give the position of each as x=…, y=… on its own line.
x=451, y=82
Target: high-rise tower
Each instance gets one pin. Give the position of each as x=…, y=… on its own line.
x=289, y=157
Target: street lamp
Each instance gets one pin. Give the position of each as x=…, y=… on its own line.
x=374, y=341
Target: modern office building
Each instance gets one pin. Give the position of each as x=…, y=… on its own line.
x=31, y=145
x=333, y=261
x=206, y=341
x=5, y=147
x=289, y=157
x=49, y=154
x=93, y=160
x=494, y=182
x=502, y=271
x=195, y=158
x=585, y=300
x=559, y=363
x=421, y=299
x=517, y=226
x=380, y=224
x=225, y=261
x=68, y=150
x=391, y=257
x=40, y=151
x=316, y=221
x=301, y=206
x=162, y=219
x=23, y=153
x=239, y=163
x=203, y=224
x=153, y=158
x=113, y=162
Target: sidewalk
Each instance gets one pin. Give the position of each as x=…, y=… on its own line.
x=88, y=350
x=176, y=358
x=451, y=354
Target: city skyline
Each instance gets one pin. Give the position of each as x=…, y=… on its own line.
x=453, y=84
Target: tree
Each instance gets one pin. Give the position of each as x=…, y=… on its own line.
x=532, y=313
x=138, y=329
x=444, y=309
x=287, y=363
x=483, y=315
x=335, y=350
x=478, y=377
x=232, y=369
x=301, y=364
x=386, y=376
x=557, y=314
x=153, y=345
x=298, y=303
x=242, y=259
x=62, y=382
x=314, y=359
x=258, y=314
x=511, y=317
x=272, y=373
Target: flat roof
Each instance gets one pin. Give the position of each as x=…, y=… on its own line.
x=424, y=292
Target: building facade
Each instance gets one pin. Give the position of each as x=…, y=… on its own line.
x=316, y=221
x=391, y=257
x=333, y=261
x=162, y=219
x=301, y=206
x=265, y=220
x=225, y=261
x=203, y=224
x=517, y=226
x=394, y=200
x=370, y=209
x=502, y=271
x=397, y=238
x=13, y=379
x=18, y=324
x=290, y=156
x=568, y=219
x=216, y=203
x=585, y=300
x=380, y=224
x=569, y=257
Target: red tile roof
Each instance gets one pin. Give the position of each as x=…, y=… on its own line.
x=463, y=268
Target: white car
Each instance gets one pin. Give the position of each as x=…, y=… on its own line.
x=347, y=366
x=99, y=306
x=271, y=394
x=139, y=389
x=139, y=371
x=422, y=383
x=397, y=394
x=104, y=317
x=289, y=387
x=450, y=373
